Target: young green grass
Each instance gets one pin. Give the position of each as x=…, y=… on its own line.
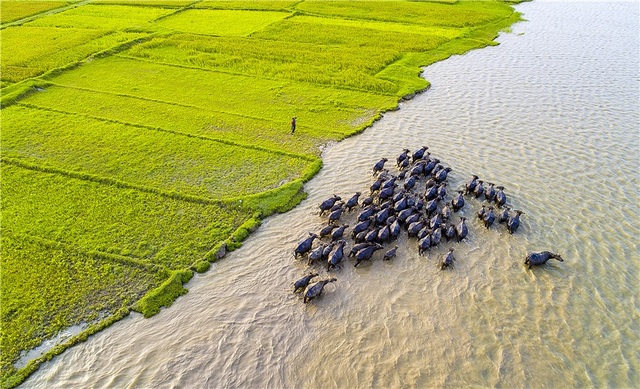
x=324, y=109
x=221, y=22
x=105, y=17
x=47, y=287
x=31, y=51
x=97, y=216
x=160, y=159
x=14, y=10
x=322, y=64
x=235, y=129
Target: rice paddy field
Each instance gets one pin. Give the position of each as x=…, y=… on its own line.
x=142, y=139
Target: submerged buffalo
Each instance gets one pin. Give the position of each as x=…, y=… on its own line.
x=315, y=290
x=447, y=260
x=514, y=222
x=535, y=259
x=328, y=203
x=304, y=246
x=303, y=282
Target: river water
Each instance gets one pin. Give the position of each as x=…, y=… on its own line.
x=552, y=113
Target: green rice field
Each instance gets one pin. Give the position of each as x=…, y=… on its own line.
x=140, y=140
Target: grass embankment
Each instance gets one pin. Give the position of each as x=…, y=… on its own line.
x=143, y=139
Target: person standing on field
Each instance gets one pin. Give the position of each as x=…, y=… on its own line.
x=293, y=125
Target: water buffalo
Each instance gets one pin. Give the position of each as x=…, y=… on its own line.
x=352, y=202
x=447, y=260
x=377, y=168
x=390, y=254
x=424, y=244
x=514, y=221
x=336, y=255
x=490, y=193
x=327, y=230
x=503, y=216
x=404, y=155
x=441, y=175
x=315, y=290
x=337, y=234
x=534, y=259
x=316, y=254
x=470, y=187
x=328, y=203
x=304, y=246
x=501, y=198
x=461, y=229
x=479, y=189
x=366, y=253
x=458, y=201
x=303, y=282
x=489, y=217
x=418, y=154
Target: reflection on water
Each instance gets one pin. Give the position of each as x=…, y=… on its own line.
x=551, y=114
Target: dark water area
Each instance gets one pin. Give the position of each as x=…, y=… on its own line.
x=553, y=114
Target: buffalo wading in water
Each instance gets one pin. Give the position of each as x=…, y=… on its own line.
x=315, y=290
x=328, y=203
x=447, y=260
x=514, y=221
x=304, y=246
x=537, y=259
x=302, y=283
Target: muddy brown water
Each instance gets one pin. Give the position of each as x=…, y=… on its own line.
x=552, y=114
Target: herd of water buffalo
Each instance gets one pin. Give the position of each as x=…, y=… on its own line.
x=414, y=200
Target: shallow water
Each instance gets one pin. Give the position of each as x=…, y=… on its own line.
x=553, y=115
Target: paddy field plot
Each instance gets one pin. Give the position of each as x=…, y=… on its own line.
x=103, y=17
x=458, y=14
x=142, y=156
x=325, y=109
x=247, y=4
x=333, y=65
x=14, y=10
x=36, y=50
x=221, y=22
x=196, y=121
x=43, y=277
x=94, y=215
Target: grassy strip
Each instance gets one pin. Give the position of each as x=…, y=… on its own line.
x=173, y=162
x=163, y=295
